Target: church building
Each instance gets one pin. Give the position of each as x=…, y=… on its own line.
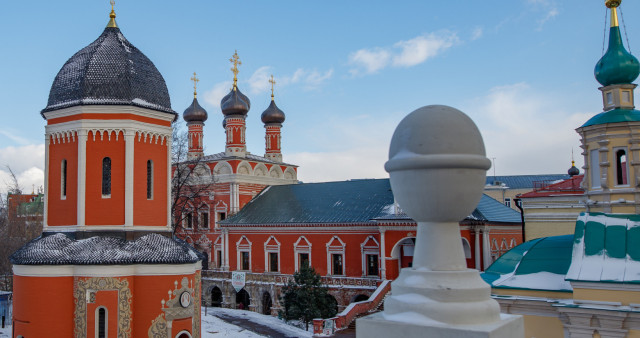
x=586, y=284
x=107, y=264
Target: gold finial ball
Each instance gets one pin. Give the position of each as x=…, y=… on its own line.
x=612, y=3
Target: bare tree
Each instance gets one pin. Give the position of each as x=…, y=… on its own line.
x=191, y=183
x=20, y=222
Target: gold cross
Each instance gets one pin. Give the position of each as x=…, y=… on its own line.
x=273, y=83
x=235, y=59
x=195, y=84
x=112, y=3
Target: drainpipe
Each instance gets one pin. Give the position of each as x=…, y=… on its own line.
x=518, y=202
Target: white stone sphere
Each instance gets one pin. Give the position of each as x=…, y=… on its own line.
x=437, y=164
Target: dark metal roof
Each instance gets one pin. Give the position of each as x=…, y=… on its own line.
x=356, y=201
x=525, y=181
x=195, y=112
x=272, y=114
x=109, y=71
x=59, y=249
x=235, y=103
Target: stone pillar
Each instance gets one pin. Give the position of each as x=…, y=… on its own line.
x=437, y=168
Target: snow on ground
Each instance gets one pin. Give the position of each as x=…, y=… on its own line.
x=214, y=324
x=216, y=327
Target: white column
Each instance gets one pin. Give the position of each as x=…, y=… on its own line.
x=129, y=141
x=477, y=249
x=486, y=249
x=383, y=255
x=226, y=250
x=82, y=175
x=46, y=180
x=169, y=185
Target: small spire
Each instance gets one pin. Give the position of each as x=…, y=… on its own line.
x=112, y=21
x=613, y=5
x=235, y=59
x=273, y=83
x=195, y=84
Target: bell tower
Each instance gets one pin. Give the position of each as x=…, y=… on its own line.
x=195, y=116
x=272, y=118
x=611, y=139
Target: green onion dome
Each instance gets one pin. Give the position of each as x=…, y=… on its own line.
x=617, y=66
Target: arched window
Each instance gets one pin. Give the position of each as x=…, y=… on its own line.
x=106, y=177
x=101, y=322
x=149, y=179
x=63, y=179
x=621, y=166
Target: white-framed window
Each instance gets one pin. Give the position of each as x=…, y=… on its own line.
x=370, y=250
x=243, y=248
x=335, y=257
x=507, y=202
x=187, y=218
x=220, y=213
x=203, y=216
x=594, y=167
x=302, y=252
x=102, y=322
x=217, y=248
x=621, y=165
x=272, y=255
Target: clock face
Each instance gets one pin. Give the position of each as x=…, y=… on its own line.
x=185, y=299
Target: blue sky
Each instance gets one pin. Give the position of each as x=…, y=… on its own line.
x=347, y=72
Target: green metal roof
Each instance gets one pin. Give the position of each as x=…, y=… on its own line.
x=539, y=264
x=35, y=207
x=613, y=116
x=616, y=66
x=355, y=201
x=606, y=248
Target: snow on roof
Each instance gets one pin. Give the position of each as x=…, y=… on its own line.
x=606, y=249
x=58, y=249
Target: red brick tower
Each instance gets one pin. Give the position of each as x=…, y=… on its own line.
x=195, y=116
x=107, y=248
x=272, y=118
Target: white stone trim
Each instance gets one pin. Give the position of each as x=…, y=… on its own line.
x=605, y=286
x=45, y=213
x=298, y=249
x=369, y=250
x=183, y=332
x=106, y=320
x=243, y=248
x=331, y=250
x=82, y=176
x=129, y=141
x=169, y=187
x=111, y=109
x=105, y=270
x=271, y=249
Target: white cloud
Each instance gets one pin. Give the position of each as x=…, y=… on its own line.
x=371, y=60
x=549, y=9
x=406, y=53
x=477, y=33
x=215, y=94
x=27, y=162
x=259, y=80
x=526, y=131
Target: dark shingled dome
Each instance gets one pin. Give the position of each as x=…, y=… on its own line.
x=235, y=103
x=58, y=249
x=195, y=113
x=272, y=114
x=109, y=71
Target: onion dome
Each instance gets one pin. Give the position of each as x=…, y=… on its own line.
x=109, y=71
x=617, y=66
x=195, y=113
x=573, y=171
x=235, y=103
x=272, y=114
